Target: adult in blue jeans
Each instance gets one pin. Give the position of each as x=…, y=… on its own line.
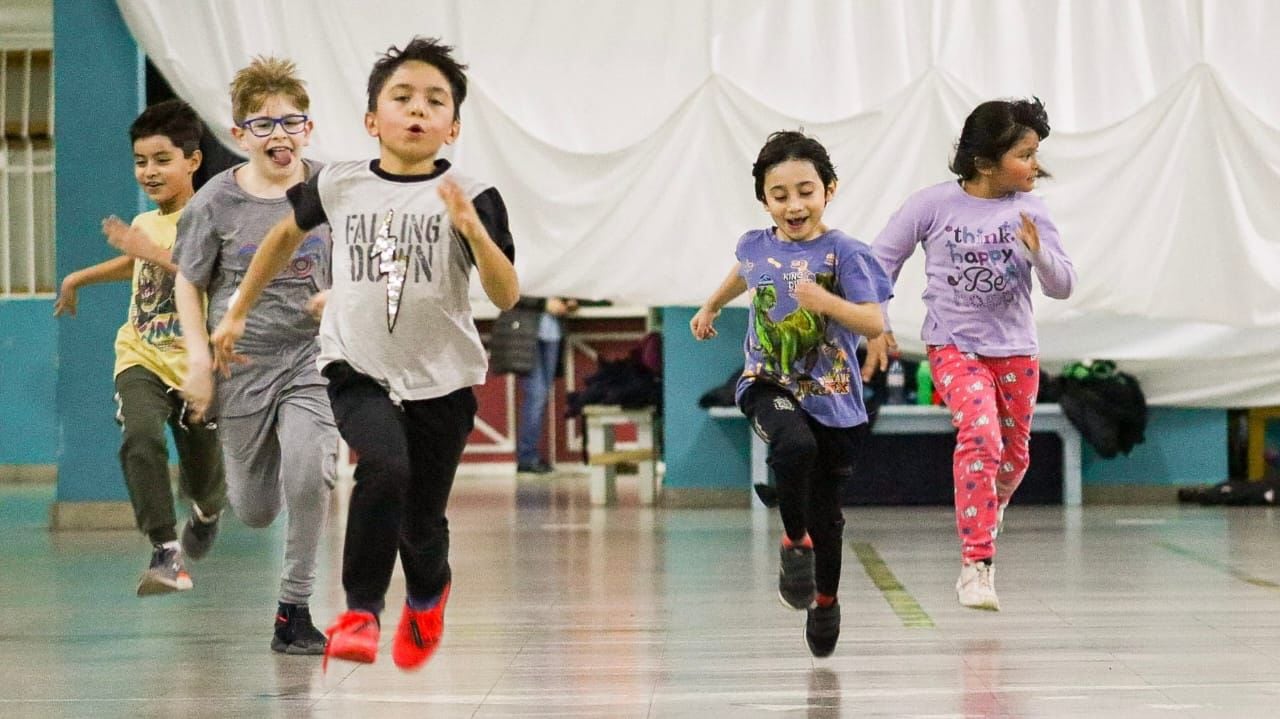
x=538, y=384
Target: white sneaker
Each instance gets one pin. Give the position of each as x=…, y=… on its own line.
x=976, y=587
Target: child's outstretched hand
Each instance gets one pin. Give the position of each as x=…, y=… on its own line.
x=1028, y=233
x=66, y=302
x=703, y=323
x=462, y=213
x=125, y=237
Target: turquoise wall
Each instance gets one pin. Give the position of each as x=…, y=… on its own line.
x=28, y=366
x=701, y=453
x=98, y=74
x=1183, y=446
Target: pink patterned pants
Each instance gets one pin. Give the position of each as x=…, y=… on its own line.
x=991, y=400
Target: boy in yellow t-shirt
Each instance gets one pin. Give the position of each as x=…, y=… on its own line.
x=150, y=359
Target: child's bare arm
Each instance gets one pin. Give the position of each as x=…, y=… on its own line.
x=134, y=242
x=865, y=318
x=197, y=386
x=497, y=274
x=703, y=323
x=113, y=270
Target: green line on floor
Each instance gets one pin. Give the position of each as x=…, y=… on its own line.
x=899, y=599
x=1227, y=568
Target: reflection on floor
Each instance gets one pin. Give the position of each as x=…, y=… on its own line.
x=562, y=610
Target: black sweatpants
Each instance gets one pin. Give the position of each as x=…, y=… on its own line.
x=810, y=463
x=407, y=456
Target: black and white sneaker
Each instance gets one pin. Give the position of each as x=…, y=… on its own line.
x=796, y=586
x=165, y=574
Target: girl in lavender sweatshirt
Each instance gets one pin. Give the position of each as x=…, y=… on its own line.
x=984, y=237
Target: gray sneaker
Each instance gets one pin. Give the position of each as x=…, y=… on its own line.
x=822, y=629
x=198, y=536
x=795, y=574
x=166, y=573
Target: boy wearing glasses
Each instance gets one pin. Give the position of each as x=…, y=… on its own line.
x=279, y=441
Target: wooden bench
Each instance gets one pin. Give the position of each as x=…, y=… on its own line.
x=929, y=419
x=603, y=456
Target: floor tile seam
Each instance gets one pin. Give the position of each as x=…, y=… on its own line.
x=1219, y=565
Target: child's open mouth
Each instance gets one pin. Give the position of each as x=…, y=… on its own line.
x=282, y=156
x=416, y=130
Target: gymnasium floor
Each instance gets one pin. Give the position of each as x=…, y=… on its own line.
x=561, y=610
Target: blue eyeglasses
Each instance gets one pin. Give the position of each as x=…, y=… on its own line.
x=264, y=126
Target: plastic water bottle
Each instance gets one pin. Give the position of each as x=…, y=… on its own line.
x=895, y=382
x=924, y=383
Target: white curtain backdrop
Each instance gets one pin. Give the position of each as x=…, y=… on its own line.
x=622, y=133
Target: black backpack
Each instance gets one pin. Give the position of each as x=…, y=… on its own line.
x=1106, y=405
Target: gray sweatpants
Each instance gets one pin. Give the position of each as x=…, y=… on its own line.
x=286, y=453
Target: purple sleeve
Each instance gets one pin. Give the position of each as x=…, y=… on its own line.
x=897, y=241
x=862, y=279
x=1053, y=268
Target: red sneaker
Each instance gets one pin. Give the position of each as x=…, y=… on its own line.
x=419, y=634
x=354, y=637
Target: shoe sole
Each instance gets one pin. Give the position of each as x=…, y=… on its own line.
x=194, y=555
x=782, y=598
x=410, y=665
x=152, y=586
x=359, y=656
x=305, y=651
x=282, y=647
x=814, y=652
x=985, y=606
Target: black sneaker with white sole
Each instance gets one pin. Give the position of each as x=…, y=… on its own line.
x=294, y=633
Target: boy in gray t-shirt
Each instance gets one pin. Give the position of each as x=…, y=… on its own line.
x=398, y=343
x=279, y=441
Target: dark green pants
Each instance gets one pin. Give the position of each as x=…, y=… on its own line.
x=144, y=405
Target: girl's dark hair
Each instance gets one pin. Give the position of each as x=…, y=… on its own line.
x=173, y=119
x=791, y=145
x=433, y=52
x=993, y=128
